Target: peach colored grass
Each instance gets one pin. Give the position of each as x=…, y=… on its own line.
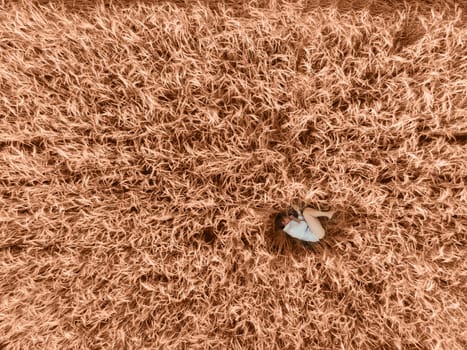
x=144, y=149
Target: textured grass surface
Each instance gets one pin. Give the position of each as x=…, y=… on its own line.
x=144, y=150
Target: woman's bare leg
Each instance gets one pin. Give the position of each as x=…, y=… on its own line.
x=317, y=213
x=315, y=226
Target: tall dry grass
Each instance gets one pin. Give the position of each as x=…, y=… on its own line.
x=144, y=149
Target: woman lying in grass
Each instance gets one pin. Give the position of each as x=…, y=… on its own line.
x=305, y=227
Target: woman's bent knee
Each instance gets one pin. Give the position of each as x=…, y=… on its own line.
x=320, y=233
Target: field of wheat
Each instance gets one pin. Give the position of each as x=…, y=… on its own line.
x=146, y=147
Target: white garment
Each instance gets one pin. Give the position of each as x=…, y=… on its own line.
x=300, y=230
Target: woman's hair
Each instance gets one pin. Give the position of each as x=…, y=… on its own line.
x=280, y=216
x=278, y=220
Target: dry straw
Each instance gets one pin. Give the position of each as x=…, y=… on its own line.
x=144, y=149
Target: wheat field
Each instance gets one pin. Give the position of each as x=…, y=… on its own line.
x=145, y=148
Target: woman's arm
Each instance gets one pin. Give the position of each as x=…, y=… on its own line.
x=297, y=209
x=294, y=218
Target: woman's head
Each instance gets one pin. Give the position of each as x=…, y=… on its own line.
x=281, y=220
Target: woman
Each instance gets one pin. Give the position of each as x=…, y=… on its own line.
x=306, y=227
